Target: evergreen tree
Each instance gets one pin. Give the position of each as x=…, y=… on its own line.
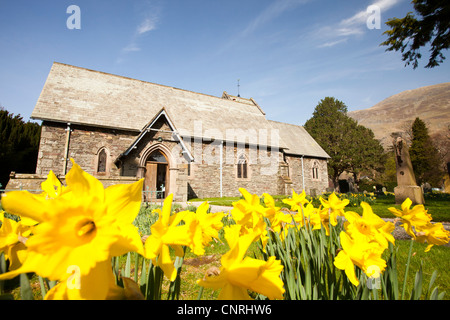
x=424, y=155
x=19, y=145
x=430, y=26
x=352, y=147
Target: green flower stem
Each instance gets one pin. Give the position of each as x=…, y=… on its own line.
x=407, y=269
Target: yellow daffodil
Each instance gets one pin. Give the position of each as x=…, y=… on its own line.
x=297, y=200
x=203, y=227
x=82, y=227
x=416, y=217
x=52, y=187
x=13, y=236
x=165, y=233
x=335, y=207
x=277, y=218
x=324, y=214
x=363, y=254
x=433, y=234
x=239, y=274
x=95, y=285
x=308, y=215
x=248, y=213
x=370, y=226
x=99, y=284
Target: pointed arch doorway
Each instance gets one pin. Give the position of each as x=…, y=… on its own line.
x=156, y=183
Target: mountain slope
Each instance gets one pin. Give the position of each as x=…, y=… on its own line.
x=396, y=113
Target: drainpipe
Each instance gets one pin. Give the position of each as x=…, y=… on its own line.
x=66, y=150
x=303, y=176
x=221, y=169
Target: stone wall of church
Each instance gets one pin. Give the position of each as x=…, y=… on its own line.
x=206, y=177
x=266, y=171
x=313, y=185
x=84, y=146
x=32, y=182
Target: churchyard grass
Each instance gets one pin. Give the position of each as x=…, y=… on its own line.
x=437, y=204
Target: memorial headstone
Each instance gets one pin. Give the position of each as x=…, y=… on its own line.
x=406, y=182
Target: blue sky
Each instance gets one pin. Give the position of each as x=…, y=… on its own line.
x=288, y=54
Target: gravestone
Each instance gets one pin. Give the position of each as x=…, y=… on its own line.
x=406, y=181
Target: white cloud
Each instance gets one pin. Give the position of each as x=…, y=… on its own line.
x=147, y=25
x=131, y=47
x=355, y=25
x=271, y=12
x=332, y=43
x=359, y=19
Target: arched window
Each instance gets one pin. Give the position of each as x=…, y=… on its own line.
x=102, y=158
x=315, y=171
x=157, y=156
x=242, y=167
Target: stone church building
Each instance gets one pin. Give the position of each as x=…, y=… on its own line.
x=186, y=143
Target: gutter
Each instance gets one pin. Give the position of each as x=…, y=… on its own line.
x=66, y=148
x=303, y=176
x=221, y=169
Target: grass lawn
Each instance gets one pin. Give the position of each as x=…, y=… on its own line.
x=438, y=205
x=436, y=259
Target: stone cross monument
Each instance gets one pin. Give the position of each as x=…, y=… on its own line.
x=406, y=181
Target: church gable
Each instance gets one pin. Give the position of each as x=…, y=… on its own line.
x=160, y=129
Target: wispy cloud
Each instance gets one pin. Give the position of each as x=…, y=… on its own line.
x=332, y=43
x=131, y=47
x=273, y=11
x=355, y=25
x=148, y=23
x=270, y=13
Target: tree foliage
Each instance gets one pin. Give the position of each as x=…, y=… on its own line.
x=424, y=155
x=19, y=145
x=409, y=34
x=352, y=147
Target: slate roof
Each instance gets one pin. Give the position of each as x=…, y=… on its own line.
x=298, y=140
x=81, y=96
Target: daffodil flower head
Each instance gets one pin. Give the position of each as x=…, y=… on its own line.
x=52, y=187
x=99, y=284
x=248, y=213
x=239, y=273
x=335, y=207
x=370, y=226
x=82, y=228
x=433, y=234
x=12, y=241
x=203, y=227
x=362, y=254
x=297, y=200
x=166, y=232
x=277, y=218
x=416, y=217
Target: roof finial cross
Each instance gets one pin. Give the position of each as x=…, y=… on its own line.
x=238, y=85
